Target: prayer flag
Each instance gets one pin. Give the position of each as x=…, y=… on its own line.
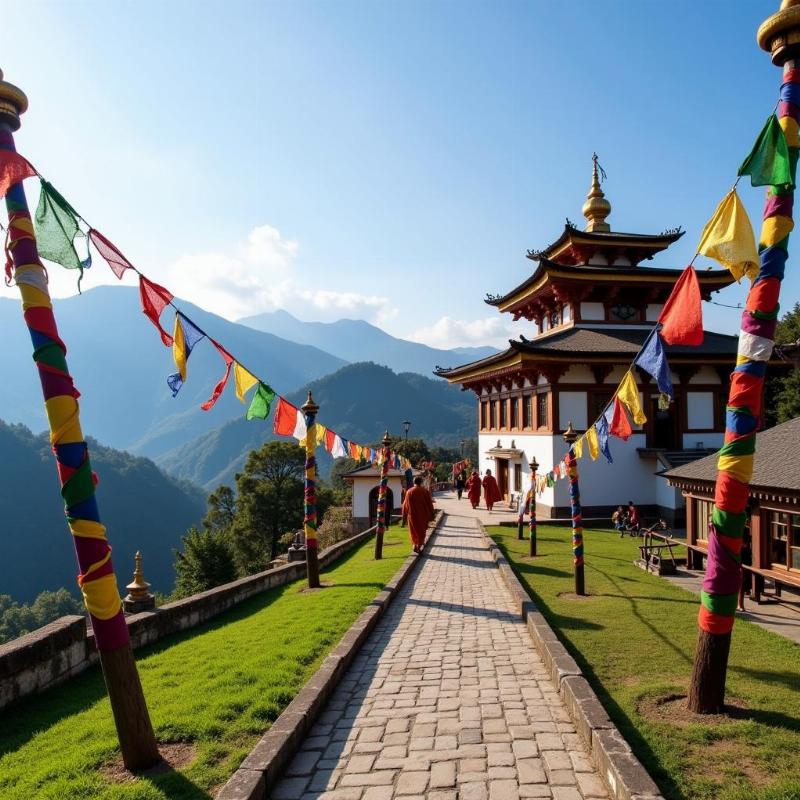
x=261, y=402
x=184, y=338
x=620, y=425
x=629, y=395
x=13, y=169
x=242, y=380
x=768, y=163
x=154, y=299
x=602, y=437
x=110, y=252
x=319, y=431
x=682, y=315
x=355, y=451
x=653, y=361
x=299, y=431
x=591, y=440
x=285, y=418
x=728, y=238
x=330, y=440
x=578, y=448
x=228, y=359
x=57, y=230
x=339, y=449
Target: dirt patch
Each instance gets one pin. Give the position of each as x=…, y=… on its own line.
x=573, y=596
x=671, y=708
x=174, y=755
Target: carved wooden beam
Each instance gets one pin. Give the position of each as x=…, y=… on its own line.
x=601, y=371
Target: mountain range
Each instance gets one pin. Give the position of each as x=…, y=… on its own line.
x=143, y=508
x=359, y=401
x=356, y=340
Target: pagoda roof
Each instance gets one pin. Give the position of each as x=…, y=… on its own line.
x=586, y=345
x=573, y=243
x=556, y=281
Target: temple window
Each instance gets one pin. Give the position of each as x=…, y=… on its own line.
x=598, y=401
x=566, y=313
x=703, y=510
x=527, y=411
x=514, y=413
x=784, y=539
x=483, y=414
x=492, y=415
x=503, y=413
x=517, y=478
x=541, y=410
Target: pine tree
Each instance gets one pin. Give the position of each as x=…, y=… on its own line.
x=206, y=562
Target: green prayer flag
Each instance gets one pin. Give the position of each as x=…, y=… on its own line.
x=57, y=229
x=259, y=405
x=768, y=163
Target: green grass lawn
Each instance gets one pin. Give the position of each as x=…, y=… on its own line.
x=218, y=687
x=634, y=639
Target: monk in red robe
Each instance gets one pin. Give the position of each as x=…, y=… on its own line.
x=491, y=492
x=418, y=512
x=474, y=488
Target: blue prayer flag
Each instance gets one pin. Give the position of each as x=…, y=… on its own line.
x=602, y=438
x=653, y=360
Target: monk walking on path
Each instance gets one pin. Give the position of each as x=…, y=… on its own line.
x=418, y=512
x=474, y=488
x=491, y=492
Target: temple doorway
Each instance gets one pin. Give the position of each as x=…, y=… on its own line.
x=501, y=465
x=664, y=426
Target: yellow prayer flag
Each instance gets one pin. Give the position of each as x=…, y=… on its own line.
x=628, y=394
x=728, y=238
x=594, y=445
x=319, y=435
x=243, y=380
x=578, y=448
x=179, y=348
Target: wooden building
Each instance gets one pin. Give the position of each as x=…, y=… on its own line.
x=774, y=504
x=591, y=303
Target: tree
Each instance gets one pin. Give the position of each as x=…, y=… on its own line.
x=221, y=510
x=17, y=619
x=782, y=391
x=415, y=450
x=206, y=562
x=270, y=504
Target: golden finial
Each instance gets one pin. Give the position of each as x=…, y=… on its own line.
x=137, y=588
x=596, y=208
x=13, y=102
x=780, y=33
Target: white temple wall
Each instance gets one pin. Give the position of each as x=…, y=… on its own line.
x=592, y=311
x=616, y=375
x=705, y=375
x=666, y=495
x=703, y=439
x=700, y=410
x=653, y=311
x=578, y=373
x=572, y=408
x=361, y=490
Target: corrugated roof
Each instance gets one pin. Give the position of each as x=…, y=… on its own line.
x=776, y=465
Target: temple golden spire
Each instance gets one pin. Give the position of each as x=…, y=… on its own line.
x=596, y=208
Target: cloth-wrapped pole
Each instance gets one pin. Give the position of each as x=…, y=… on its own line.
x=96, y=579
x=756, y=339
x=310, y=494
x=577, y=520
x=382, y=486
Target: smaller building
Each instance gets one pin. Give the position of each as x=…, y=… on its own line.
x=774, y=504
x=365, y=482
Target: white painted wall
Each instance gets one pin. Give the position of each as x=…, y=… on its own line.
x=578, y=373
x=361, y=490
x=592, y=311
x=710, y=440
x=705, y=375
x=666, y=495
x=653, y=311
x=572, y=408
x=566, y=313
x=700, y=410
x=616, y=375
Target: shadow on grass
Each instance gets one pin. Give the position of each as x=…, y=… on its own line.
x=791, y=680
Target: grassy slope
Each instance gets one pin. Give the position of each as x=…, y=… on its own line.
x=635, y=640
x=219, y=687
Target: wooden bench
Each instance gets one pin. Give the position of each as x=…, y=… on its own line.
x=652, y=557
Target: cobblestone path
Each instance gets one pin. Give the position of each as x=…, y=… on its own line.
x=447, y=700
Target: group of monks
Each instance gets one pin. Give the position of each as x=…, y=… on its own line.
x=491, y=491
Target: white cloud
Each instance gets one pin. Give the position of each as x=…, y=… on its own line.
x=448, y=333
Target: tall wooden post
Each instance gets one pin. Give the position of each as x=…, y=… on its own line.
x=523, y=504
x=534, y=466
x=570, y=437
x=311, y=409
x=97, y=580
x=779, y=35
x=382, y=512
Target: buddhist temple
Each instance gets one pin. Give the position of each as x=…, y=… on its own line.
x=591, y=302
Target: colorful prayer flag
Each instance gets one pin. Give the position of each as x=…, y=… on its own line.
x=653, y=361
x=591, y=440
x=242, y=380
x=768, y=163
x=285, y=419
x=228, y=359
x=13, y=169
x=682, y=315
x=330, y=440
x=578, y=448
x=57, y=230
x=154, y=299
x=628, y=394
x=184, y=338
x=341, y=447
x=602, y=436
x=728, y=238
x=110, y=252
x=319, y=431
x=620, y=425
x=261, y=402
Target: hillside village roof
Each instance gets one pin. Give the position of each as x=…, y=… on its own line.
x=371, y=471
x=776, y=465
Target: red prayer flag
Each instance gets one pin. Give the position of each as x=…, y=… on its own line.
x=682, y=315
x=620, y=424
x=285, y=419
x=110, y=253
x=228, y=358
x=154, y=299
x=330, y=438
x=13, y=169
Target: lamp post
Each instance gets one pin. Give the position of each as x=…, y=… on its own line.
x=461, y=445
x=780, y=36
x=534, y=466
x=311, y=409
x=382, y=511
x=406, y=427
x=97, y=580
x=570, y=437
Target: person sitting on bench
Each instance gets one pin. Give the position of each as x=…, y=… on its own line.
x=618, y=520
x=634, y=521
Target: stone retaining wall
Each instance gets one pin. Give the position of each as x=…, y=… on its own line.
x=64, y=648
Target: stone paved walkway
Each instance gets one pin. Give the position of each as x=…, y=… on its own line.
x=447, y=700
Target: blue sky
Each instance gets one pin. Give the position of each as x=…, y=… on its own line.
x=390, y=161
